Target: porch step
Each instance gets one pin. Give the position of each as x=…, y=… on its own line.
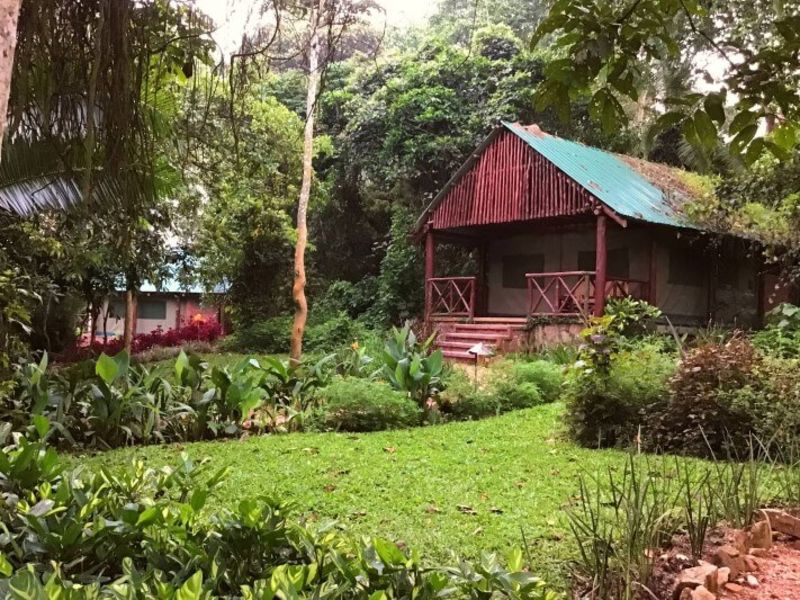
x=503, y=320
x=498, y=328
x=448, y=344
x=458, y=356
x=498, y=333
x=477, y=336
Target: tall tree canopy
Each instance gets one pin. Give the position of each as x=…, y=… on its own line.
x=607, y=48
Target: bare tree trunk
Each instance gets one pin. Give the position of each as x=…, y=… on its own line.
x=298, y=289
x=9, y=13
x=130, y=320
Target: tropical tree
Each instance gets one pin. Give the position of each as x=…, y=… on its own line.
x=9, y=13
x=237, y=208
x=607, y=48
x=90, y=122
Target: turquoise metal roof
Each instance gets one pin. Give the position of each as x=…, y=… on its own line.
x=173, y=286
x=612, y=179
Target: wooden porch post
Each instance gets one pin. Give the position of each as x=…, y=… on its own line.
x=653, y=283
x=483, y=297
x=600, y=267
x=430, y=249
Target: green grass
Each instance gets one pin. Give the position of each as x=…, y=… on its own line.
x=515, y=472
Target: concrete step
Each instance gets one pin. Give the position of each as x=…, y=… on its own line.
x=476, y=336
x=508, y=320
x=453, y=346
x=484, y=328
x=456, y=355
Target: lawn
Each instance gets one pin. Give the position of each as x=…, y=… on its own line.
x=463, y=487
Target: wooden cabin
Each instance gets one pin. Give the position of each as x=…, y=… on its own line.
x=558, y=227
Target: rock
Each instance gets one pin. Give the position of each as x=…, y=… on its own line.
x=742, y=542
x=751, y=581
x=701, y=593
x=686, y=594
x=782, y=521
x=761, y=535
x=728, y=556
x=759, y=552
x=702, y=575
x=750, y=563
x=723, y=575
x=733, y=587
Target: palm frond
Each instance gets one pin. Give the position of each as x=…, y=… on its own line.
x=33, y=178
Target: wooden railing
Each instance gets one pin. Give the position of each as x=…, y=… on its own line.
x=564, y=293
x=624, y=288
x=572, y=293
x=451, y=296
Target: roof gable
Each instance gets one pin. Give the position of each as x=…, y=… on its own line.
x=509, y=182
x=614, y=180
x=628, y=187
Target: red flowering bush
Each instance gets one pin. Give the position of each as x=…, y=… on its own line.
x=198, y=330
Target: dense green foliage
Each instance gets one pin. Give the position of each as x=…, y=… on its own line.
x=629, y=42
x=714, y=398
x=781, y=336
x=510, y=385
x=271, y=336
x=246, y=234
x=545, y=375
x=109, y=402
x=412, y=365
x=607, y=408
x=707, y=409
x=352, y=404
x=463, y=399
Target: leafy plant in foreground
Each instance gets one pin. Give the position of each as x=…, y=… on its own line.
x=619, y=522
x=697, y=503
x=126, y=402
x=781, y=336
x=410, y=366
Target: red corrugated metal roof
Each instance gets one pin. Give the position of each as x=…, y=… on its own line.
x=521, y=173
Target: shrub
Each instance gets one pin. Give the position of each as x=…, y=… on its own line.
x=606, y=408
x=340, y=330
x=777, y=406
x=161, y=353
x=111, y=401
x=463, y=400
x=516, y=395
x=200, y=331
x=520, y=384
x=631, y=318
x=561, y=354
x=361, y=405
x=270, y=336
x=711, y=404
x=547, y=376
x=353, y=299
x=781, y=336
